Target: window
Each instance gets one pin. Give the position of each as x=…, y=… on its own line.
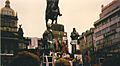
x=101, y=41
x=103, y=31
x=98, y=33
x=117, y=35
x=97, y=42
x=105, y=21
x=107, y=29
x=113, y=17
x=118, y=24
x=114, y=26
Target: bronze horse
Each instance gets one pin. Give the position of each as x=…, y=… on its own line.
x=52, y=11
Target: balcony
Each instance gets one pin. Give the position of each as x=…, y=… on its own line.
x=107, y=25
x=110, y=33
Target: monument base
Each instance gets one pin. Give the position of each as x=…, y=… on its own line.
x=57, y=27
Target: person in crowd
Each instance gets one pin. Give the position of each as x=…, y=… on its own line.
x=25, y=58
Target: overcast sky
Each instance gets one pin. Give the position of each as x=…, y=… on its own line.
x=80, y=14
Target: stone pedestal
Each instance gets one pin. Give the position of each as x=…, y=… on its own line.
x=73, y=48
x=59, y=37
x=73, y=43
x=57, y=27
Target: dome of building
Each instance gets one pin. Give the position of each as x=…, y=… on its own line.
x=7, y=10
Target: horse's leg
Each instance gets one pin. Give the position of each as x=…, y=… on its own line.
x=56, y=21
x=47, y=23
x=52, y=21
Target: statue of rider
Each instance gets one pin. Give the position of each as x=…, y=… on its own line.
x=52, y=11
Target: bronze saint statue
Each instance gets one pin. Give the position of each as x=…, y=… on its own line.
x=52, y=11
x=74, y=35
x=20, y=31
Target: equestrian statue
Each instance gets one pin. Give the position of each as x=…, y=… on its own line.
x=52, y=11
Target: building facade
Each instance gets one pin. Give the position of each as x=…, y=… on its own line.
x=107, y=32
x=9, y=33
x=86, y=43
x=86, y=40
x=32, y=42
x=8, y=27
